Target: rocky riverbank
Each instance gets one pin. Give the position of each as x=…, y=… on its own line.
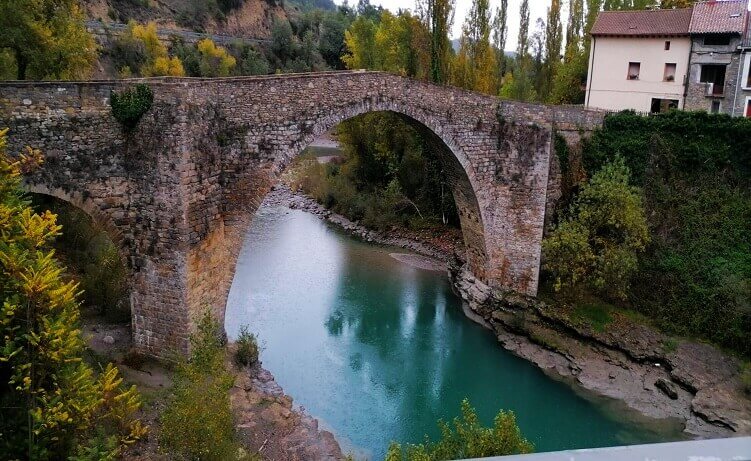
x=440, y=246
x=271, y=426
x=658, y=376
x=267, y=421
x=681, y=382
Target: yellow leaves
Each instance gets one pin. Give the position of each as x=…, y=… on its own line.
x=158, y=62
x=164, y=65
x=215, y=60
x=41, y=344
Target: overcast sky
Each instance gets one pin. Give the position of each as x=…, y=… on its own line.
x=537, y=9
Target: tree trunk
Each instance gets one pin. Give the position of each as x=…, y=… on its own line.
x=21, y=64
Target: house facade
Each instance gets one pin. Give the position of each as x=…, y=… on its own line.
x=717, y=30
x=639, y=60
x=692, y=58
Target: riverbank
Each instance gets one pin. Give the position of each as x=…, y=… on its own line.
x=437, y=245
x=267, y=422
x=688, y=383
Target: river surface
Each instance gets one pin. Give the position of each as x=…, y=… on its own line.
x=378, y=350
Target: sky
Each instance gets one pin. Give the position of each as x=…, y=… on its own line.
x=537, y=9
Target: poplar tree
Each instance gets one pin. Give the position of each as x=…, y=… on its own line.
x=500, y=35
x=553, y=43
x=438, y=16
x=475, y=67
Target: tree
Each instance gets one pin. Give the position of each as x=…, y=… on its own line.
x=54, y=406
x=475, y=68
x=47, y=39
x=331, y=41
x=500, y=35
x=140, y=50
x=570, y=78
x=553, y=43
x=438, y=16
x=284, y=44
x=360, y=42
x=667, y=4
x=467, y=439
x=523, y=48
x=598, y=242
x=215, y=61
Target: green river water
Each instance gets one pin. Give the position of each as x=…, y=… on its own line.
x=378, y=350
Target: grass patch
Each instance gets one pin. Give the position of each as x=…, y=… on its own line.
x=669, y=345
x=595, y=315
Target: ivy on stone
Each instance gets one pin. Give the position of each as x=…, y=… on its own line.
x=131, y=104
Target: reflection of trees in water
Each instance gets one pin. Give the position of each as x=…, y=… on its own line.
x=400, y=336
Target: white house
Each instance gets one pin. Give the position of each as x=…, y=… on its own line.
x=639, y=60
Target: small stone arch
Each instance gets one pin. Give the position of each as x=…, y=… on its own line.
x=100, y=218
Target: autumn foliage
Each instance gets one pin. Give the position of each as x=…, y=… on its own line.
x=54, y=405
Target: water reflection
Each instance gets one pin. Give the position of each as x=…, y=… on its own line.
x=379, y=350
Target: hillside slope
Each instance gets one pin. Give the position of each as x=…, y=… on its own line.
x=251, y=19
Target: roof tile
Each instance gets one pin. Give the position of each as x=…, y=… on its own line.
x=643, y=23
x=718, y=17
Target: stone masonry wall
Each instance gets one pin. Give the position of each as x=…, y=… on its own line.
x=179, y=192
x=696, y=92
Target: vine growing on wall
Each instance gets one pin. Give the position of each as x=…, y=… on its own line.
x=129, y=105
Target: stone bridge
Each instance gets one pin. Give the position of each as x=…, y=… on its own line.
x=179, y=192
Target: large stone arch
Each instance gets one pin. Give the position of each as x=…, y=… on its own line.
x=181, y=189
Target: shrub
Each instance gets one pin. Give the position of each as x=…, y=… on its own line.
x=215, y=61
x=695, y=168
x=467, y=439
x=129, y=105
x=198, y=421
x=139, y=50
x=598, y=242
x=247, y=348
x=53, y=404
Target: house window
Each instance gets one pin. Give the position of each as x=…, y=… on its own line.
x=669, y=72
x=633, y=70
x=717, y=40
x=667, y=45
x=715, y=109
x=714, y=75
x=660, y=106
x=748, y=108
x=748, y=77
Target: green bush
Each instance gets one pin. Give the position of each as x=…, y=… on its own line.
x=131, y=104
x=247, y=348
x=694, y=279
x=596, y=245
x=467, y=439
x=198, y=421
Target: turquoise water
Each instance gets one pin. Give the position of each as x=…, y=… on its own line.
x=379, y=350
